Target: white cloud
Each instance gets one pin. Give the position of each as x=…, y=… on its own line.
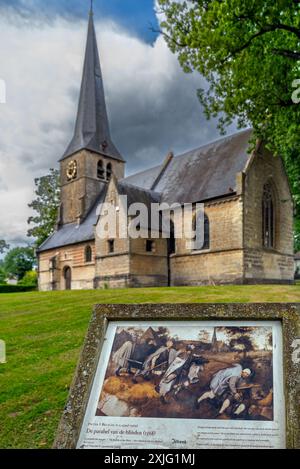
x=152, y=104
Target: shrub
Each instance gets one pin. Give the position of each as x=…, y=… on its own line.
x=30, y=279
x=16, y=288
x=2, y=276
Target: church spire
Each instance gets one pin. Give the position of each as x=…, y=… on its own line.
x=92, y=126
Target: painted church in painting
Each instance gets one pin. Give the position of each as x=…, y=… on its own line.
x=248, y=223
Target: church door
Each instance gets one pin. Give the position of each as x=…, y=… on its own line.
x=68, y=278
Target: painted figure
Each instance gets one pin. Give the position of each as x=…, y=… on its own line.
x=121, y=356
x=225, y=384
x=163, y=355
x=140, y=354
x=182, y=372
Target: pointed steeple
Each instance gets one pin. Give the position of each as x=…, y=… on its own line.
x=92, y=126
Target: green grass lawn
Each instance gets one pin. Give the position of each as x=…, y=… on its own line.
x=44, y=333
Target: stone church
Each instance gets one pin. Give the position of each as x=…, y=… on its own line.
x=247, y=199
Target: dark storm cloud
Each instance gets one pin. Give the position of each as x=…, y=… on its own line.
x=134, y=15
x=151, y=112
x=152, y=104
x=147, y=127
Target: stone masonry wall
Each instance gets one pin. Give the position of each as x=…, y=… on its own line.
x=223, y=261
x=262, y=264
x=148, y=268
x=83, y=273
x=79, y=195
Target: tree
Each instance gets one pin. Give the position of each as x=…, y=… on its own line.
x=3, y=246
x=30, y=279
x=242, y=343
x=249, y=53
x=2, y=275
x=18, y=261
x=46, y=205
x=204, y=336
x=293, y=170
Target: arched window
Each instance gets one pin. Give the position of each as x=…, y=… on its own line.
x=100, y=170
x=206, y=240
x=68, y=277
x=268, y=217
x=108, y=171
x=172, y=240
x=111, y=246
x=88, y=254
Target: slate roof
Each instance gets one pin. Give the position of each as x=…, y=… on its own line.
x=138, y=194
x=146, y=197
x=202, y=174
x=92, y=126
x=72, y=233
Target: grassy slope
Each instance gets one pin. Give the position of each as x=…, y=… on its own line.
x=44, y=333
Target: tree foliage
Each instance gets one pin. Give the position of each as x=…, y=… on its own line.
x=18, y=261
x=2, y=275
x=30, y=279
x=242, y=343
x=46, y=207
x=249, y=53
x=3, y=246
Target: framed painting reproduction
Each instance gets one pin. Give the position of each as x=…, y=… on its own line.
x=186, y=377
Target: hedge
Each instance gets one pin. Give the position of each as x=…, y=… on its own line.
x=16, y=288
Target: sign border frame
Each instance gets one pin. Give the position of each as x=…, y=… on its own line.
x=287, y=313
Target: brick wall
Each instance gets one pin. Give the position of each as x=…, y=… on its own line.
x=83, y=273
x=212, y=268
x=79, y=195
x=148, y=268
x=223, y=261
x=235, y=255
x=261, y=264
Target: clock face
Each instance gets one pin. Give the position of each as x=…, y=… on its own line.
x=72, y=170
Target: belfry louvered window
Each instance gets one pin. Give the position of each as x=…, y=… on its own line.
x=108, y=171
x=100, y=170
x=268, y=217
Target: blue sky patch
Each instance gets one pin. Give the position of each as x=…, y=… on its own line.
x=134, y=15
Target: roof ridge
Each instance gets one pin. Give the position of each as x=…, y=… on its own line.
x=163, y=169
x=150, y=191
x=187, y=152
x=213, y=142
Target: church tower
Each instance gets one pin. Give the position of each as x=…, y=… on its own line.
x=91, y=157
x=214, y=341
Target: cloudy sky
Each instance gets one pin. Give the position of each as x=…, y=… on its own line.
x=152, y=104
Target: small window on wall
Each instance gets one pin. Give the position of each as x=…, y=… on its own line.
x=150, y=245
x=268, y=217
x=111, y=246
x=100, y=170
x=88, y=254
x=206, y=240
x=108, y=171
x=53, y=265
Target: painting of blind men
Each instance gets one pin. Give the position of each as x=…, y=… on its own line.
x=190, y=372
